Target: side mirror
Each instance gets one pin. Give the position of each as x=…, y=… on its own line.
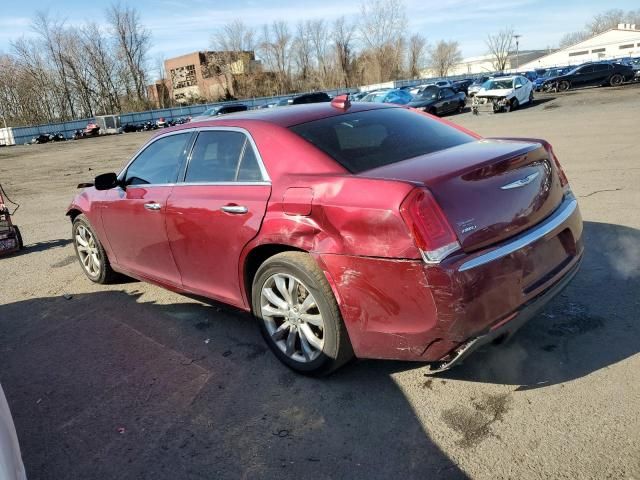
x=106, y=181
x=518, y=86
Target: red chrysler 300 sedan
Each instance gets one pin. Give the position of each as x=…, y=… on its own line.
x=346, y=229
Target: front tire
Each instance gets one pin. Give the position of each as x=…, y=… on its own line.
x=298, y=314
x=91, y=255
x=563, y=86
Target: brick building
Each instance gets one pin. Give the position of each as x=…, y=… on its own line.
x=206, y=76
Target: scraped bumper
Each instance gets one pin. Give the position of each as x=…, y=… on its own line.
x=507, y=327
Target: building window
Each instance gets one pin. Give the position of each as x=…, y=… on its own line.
x=598, y=50
x=184, y=76
x=575, y=54
x=628, y=45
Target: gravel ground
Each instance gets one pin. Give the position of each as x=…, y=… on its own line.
x=131, y=381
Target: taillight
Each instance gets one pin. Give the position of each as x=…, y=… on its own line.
x=428, y=225
x=564, y=181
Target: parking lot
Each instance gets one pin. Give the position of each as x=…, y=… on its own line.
x=130, y=381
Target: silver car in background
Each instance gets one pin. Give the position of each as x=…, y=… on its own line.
x=11, y=466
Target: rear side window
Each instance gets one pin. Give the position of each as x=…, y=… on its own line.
x=222, y=156
x=249, y=170
x=365, y=140
x=159, y=162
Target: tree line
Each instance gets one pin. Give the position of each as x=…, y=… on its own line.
x=65, y=72
x=601, y=23
x=372, y=47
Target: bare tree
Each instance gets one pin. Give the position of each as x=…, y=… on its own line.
x=96, y=48
x=605, y=21
x=301, y=50
x=275, y=47
x=500, y=46
x=343, y=33
x=572, y=38
x=444, y=56
x=417, y=48
x=382, y=24
x=235, y=45
x=600, y=23
x=319, y=35
x=134, y=42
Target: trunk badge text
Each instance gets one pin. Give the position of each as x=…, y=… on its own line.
x=521, y=183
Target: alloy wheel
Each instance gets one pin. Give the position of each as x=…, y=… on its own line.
x=292, y=318
x=88, y=251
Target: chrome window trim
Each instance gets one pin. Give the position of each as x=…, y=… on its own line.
x=566, y=209
x=266, y=180
x=220, y=184
x=143, y=148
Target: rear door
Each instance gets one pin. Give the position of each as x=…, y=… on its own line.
x=216, y=210
x=134, y=216
x=601, y=72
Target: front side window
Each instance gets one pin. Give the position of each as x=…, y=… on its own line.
x=159, y=162
x=364, y=140
x=222, y=156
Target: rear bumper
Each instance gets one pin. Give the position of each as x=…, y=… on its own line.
x=407, y=310
x=508, y=327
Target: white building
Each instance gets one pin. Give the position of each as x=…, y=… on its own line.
x=623, y=41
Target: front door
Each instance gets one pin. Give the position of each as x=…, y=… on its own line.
x=216, y=211
x=583, y=77
x=133, y=215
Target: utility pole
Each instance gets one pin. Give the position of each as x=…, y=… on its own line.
x=517, y=37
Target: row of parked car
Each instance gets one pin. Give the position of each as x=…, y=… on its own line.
x=497, y=93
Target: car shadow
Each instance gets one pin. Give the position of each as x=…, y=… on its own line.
x=538, y=100
x=42, y=246
x=106, y=385
x=589, y=327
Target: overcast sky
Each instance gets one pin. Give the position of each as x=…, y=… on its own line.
x=183, y=26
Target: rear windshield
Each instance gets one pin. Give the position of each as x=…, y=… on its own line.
x=374, y=138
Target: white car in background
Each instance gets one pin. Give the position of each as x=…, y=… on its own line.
x=503, y=94
x=11, y=466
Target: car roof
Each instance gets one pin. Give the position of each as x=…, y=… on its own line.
x=293, y=114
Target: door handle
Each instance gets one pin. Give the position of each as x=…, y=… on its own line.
x=237, y=209
x=152, y=206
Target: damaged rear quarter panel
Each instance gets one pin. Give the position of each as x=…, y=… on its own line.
x=387, y=308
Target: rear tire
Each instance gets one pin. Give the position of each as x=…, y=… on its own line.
x=616, y=80
x=90, y=252
x=298, y=314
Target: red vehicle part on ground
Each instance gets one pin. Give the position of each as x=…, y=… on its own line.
x=432, y=240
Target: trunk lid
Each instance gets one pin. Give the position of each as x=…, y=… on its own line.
x=489, y=190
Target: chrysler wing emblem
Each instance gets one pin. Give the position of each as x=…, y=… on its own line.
x=521, y=183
